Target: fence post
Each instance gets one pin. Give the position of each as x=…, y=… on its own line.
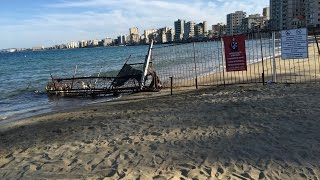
x=315, y=37
x=146, y=65
x=274, y=66
x=263, y=77
x=171, y=83
x=195, y=64
x=223, y=75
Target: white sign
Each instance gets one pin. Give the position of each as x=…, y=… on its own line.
x=294, y=44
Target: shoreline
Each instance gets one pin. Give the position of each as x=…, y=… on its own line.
x=51, y=109
x=218, y=132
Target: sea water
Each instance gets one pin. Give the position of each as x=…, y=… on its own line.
x=24, y=75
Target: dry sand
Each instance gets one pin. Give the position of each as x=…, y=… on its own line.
x=288, y=71
x=248, y=132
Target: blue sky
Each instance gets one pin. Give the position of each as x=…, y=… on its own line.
x=27, y=23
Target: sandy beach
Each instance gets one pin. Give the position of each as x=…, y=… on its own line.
x=288, y=71
x=233, y=132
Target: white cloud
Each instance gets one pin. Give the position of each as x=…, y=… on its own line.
x=102, y=18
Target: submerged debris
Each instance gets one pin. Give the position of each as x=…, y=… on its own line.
x=129, y=79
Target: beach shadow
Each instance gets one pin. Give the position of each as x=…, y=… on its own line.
x=241, y=132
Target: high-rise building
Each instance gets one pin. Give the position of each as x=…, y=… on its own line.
x=276, y=14
x=83, y=43
x=254, y=22
x=148, y=35
x=179, y=29
x=162, y=35
x=107, y=41
x=134, y=35
x=37, y=48
x=72, y=45
x=205, y=27
x=170, y=35
x=234, y=22
x=199, y=30
x=287, y=14
x=121, y=40
x=266, y=12
x=312, y=13
x=219, y=29
x=189, y=30
x=134, y=30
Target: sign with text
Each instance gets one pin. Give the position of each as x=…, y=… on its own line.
x=235, y=53
x=294, y=44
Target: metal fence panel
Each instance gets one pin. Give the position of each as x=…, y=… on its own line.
x=203, y=63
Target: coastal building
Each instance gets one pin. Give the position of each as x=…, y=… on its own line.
x=83, y=44
x=205, y=28
x=189, y=30
x=266, y=13
x=72, y=45
x=288, y=14
x=312, y=13
x=37, y=48
x=253, y=23
x=276, y=15
x=134, y=35
x=10, y=50
x=107, y=41
x=234, y=22
x=219, y=29
x=201, y=30
x=179, y=26
x=149, y=35
x=121, y=40
x=94, y=43
x=170, y=35
x=162, y=35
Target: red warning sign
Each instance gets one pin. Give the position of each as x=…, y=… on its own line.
x=235, y=53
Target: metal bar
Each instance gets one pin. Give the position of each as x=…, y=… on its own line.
x=91, y=77
x=195, y=64
x=262, y=58
x=135, y=63
x=274, y=65
x=171, y=83
x=222, y=63
x=146, y=65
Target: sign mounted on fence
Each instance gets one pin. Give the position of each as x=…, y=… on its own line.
x=294, y=44
x=235, y=53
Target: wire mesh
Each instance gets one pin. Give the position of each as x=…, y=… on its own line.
x=203, y=63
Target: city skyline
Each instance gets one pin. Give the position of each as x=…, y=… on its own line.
x=35, y=23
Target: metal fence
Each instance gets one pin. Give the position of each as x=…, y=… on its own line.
x=203, y=63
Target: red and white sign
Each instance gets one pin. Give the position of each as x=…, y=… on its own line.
x=235, y=53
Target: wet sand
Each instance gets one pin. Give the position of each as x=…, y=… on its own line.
x=233, y=132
